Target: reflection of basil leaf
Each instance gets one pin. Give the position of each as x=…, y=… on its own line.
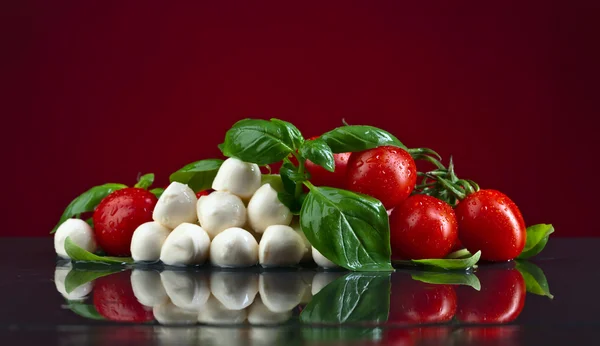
x=535, y=280
x=78, y=277
x=337, y=334
x=85, y=310
x=537, y=237
x=78, y=254
x=358, y=138
x=87, y=201
x=319, y=153
x=157, y=191
x=448, y=278
x=449, y=264
x=145, y=181
x=198, y=175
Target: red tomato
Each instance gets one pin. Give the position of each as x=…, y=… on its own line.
x=319, y=176
x=386, y=173
x=203, y=193
x=422, y=227
x=114, y=299
x=489, y=221
x=117, y=217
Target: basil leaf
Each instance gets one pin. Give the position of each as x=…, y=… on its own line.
x=462, y=253
x=145, y=181
x=90, y=222
x=198, y=175
x=535, y=280
x=449, y=264
x=85, y=310
x=157, y=191
x=274, y=180
x=289, y=200
x=78, y=254
x=78, y=277
x=87, y=201
x=358, y=138
x=537, y=238
x=319, y=153
x=261, y=141
x=349, y=229
x=448, y=278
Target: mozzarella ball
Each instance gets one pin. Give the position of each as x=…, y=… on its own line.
x=187, y=290
x=238, y=177
x=234, y=247
x=322, y=261
x=147, y=240
x=148, y=288
x=213, y=312
x=323, y=279
x=258, y=313
x=265, y=209
x=175, y=206
x=280, y=246
x=281, y=291
x=168, y=313
x=235, y=290
x=79, y=232
x=219, y=211
x=188, y=244
x=307, y=258
x=79, y=293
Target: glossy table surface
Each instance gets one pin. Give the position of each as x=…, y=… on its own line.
x=205, y=306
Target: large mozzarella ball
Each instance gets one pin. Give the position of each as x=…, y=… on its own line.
x=214, y=312
x=280, y=246
x=238, y=177
x=147, y=240
x=168, y=313
x=322, y=261
x=148, y=288
x=281, y=291
x=308, y=254
x=187, y=244
x=258, y=313
x=234, y=290
x=187, y=290
x=265, y=209
x=175, y=206
x=234, y=247
x=79, y=232
x=220, y=210
x=79, y=293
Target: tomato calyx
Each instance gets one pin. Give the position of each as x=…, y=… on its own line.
x=443, y=183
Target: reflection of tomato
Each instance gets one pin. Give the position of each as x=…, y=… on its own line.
x=500, y=300
x=501, y=335
x=398, y=337
x=114, y=299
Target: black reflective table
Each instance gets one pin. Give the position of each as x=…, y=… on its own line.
x=45, y=302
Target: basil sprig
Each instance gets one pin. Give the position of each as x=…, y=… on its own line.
x=354, y=138
x=319, y=153
x=537, y=237
x=198, y=175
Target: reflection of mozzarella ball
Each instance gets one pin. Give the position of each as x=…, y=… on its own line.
x=308, y=254
x=186, y=290
x=322, y=261
x=234, y=290
x=219, y=336
x=147, y=240
x=187, y=244
x=238, y=177
x=265, y=209
x=323, y=279
x=258, y=313
x=219, y=211
x=79, y=232
x=79, y=293
x=213, y=312
x=281, y=291
x=147, y=287
x=280, y=246
x=167, y=336
x=168, y=313
x=234, y=247
x=175, y=206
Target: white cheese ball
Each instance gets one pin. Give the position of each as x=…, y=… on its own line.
x=281, y=291
x=280, y=246
x=187, y=244
x=258, y=313
x=235, y=290
x=220, y=210
x=175, y=206
x=307, y=258
x=213, y=312
x=189, y=291
x=323, y=279
x=238, y=177
x=79, y=293
x=234, y=248
x=168, y=313
x=265, y=209
x=79, y=232
x=147, y=287
x=147, y=241
x=322, y=261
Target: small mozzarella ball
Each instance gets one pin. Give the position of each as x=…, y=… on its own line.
x=189, y=291
x=280, y=246
x=147, y=240
x=213, y=312
x=188, y=244
x=238, y=177
x=308, y=254
x=265, y=209
x=322, y=261
x=234, y=247
x=79, y=293
x=148, y=288
x=235, y=290
x=168, y=313
x=219, y=211
x=175, y=206
x=323, y=279
x=281, y=291
x=79, y=232
x=258, y=313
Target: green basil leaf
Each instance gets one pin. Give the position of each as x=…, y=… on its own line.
x=319, y=153
x=145, y=181
x=462, y=253
x=274, y=180
x=537, y=238
x=287, y=172
x=78, y=254
x=535, y=280
x=449, y=264
x=289, y=200
x=349, y=229
x=261, y=141
x=198, y=175
x=85, y=310
x=448, y=278
x=358, y=138
x=87, y=201
x=157, y=191
x=78, y=277
x=90, y=222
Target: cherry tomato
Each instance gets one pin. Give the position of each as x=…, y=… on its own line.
x=422, y=227
x=114, y=299
x=118, y=215
x=386, y=173
x=319, y=176
x=489, y=221
x=203, y=193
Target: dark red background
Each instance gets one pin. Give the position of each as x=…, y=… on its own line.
x=100, y=91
